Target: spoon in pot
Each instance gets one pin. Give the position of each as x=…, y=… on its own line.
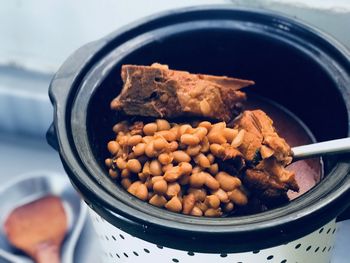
x=38, y=228
x=321, y=148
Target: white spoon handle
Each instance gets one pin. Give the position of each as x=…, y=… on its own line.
x=321, y=148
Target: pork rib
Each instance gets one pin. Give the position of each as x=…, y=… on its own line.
x=157, y=91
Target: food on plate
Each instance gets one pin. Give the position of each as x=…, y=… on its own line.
x=212, y=164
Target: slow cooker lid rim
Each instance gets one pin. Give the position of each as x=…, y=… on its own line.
x=90, y=71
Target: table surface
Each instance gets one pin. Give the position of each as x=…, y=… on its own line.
x=36, y=155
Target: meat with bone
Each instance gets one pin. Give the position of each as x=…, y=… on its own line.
x=157, y=91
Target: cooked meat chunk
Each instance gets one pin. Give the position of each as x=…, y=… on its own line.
x=157, y=91
x=261, y=138
x=260, y=158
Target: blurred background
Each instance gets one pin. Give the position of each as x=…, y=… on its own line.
x=38, y=35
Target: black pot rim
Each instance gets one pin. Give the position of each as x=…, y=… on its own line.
x=184, y=232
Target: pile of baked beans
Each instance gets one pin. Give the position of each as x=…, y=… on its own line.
x=175, y=166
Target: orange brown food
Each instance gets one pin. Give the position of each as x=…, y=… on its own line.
x=157, y=91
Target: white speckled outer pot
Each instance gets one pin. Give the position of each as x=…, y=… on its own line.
x=119, y=246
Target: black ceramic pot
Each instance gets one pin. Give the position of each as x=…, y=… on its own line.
x=293, y=64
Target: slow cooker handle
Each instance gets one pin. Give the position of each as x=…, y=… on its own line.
x=51, y=137
x=68, y=73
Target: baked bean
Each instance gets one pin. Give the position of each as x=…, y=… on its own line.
x=238, y=197
x=199, y=194
x=174, y=204
x=213, y=201
x=228, y=207
x=113, y=173
x=197, y=169
x=167, y=135
x=146, y=169
x=189, y=139
x=123, y=141
x=196, y=211
x=198, y=179
x=139, y=190
x=222, y=195
x=175, y=130
x=216, y=137
x=108, y=162
x=172, y=174
x=122, y=126
x=150, y=128
x=156, y=178
x=132, y=188
x=213, y=212
x=139, y=149
x=193, y=150
x=113, y=147
x=238, y=140
x=162, y=124
x=147, y=139
x=202, y=206
x=119, y=136
x=205, y=145
x=165, y=158
x=155, y=168
x=158, y=200
x=202, y=160
x=211, y=183
x=167, y=167
x=211, y=158
x=160, y=187
x=149, y=150
x=125, y=173
x=160, y=144
x=214, y=169
x=185, y=168
x=134, y=165
x=217, y=150
x=205, y=124
x=125, y=182
x=173, y=189
x=172, y=146
x=200, y=132
x=188, y=202
x=227, y=182
x=134, y=140
x=229, y=134
x=185, y=128
x=181, y=156
x=218, y=126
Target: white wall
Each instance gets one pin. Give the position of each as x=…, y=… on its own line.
x=40, y=34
